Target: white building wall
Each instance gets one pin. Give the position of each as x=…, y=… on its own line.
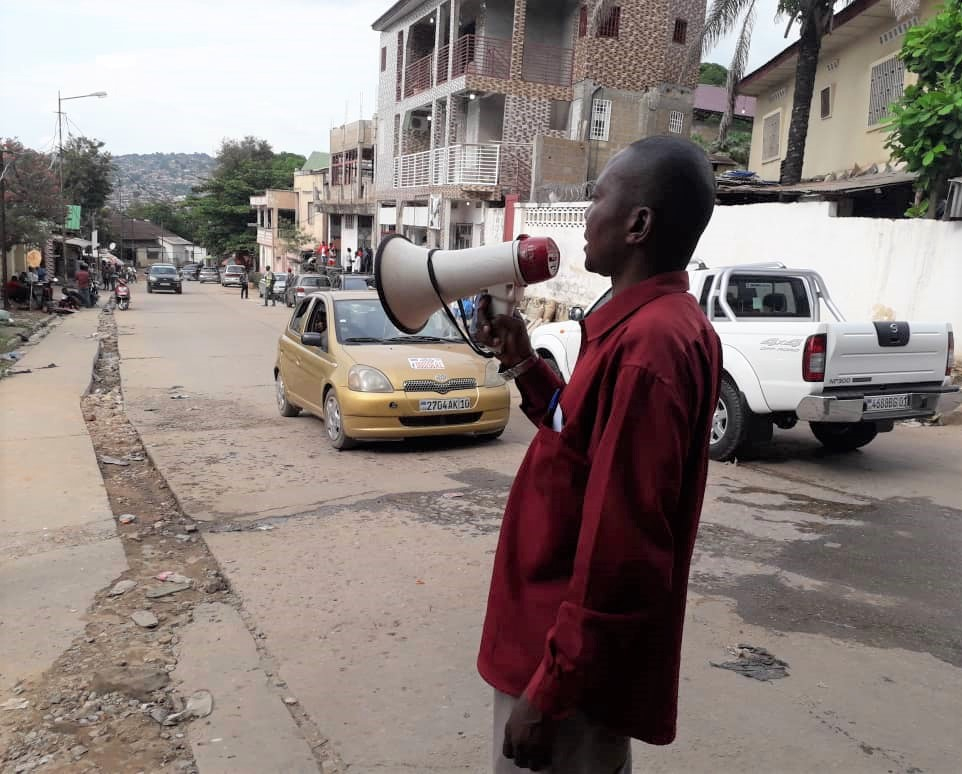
x=874, y=268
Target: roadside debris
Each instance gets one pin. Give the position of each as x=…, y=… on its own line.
x=144, y=618
x=127, y=518
x=199, y=705
x=106, y=459
x=753, y=661
x=11, y=357
x=172, y=577
x=122, y=587
x=137, y=682
x=179, y=396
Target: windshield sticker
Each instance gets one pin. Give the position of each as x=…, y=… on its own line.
x=426, y=363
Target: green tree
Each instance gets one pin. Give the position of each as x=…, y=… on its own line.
x=220, y=210
x=927, y=121
x=814, y=18
x=32, y=195
x=87, y=174
x=712, y=74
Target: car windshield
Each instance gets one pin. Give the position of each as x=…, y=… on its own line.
x=163, y=270
x=363, y=321
x=356, y=283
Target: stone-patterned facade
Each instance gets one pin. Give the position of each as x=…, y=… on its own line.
x=642, y=58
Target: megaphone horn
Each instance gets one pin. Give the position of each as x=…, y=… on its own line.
x=414, y=282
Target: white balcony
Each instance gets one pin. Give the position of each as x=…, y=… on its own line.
x=265, y=236
x=466, y=165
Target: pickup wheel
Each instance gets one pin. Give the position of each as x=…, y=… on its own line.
x=553, y=365
x=729, y=425
x=844, y=436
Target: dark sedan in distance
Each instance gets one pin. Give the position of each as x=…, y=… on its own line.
x=164, y=276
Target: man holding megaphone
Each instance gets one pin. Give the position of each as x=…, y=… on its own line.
x=582, y=637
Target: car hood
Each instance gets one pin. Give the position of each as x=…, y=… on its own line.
x=403, y=362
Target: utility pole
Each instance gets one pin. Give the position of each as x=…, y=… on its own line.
x=3, y=226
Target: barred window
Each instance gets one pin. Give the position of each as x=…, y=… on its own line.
x=681, y=31
x=825, y=97
x=583, y=21
x=676, y=121
x=771, y=135
x=610, y=26
x=885, y=87
x=600, y=119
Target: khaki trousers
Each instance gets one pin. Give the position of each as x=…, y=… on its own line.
x=581, y=747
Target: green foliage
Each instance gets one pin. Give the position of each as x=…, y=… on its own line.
x=219, y=210
x=713, y=74
x=32, y=195
x=926, y=122
x=87, y=175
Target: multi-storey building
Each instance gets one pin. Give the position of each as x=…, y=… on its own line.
x=276, y=229
x=347, y=198
x=309, y=183
x=479, y=100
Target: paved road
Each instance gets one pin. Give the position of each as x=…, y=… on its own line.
x=366, y=572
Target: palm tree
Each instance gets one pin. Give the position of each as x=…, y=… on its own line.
x=814, y=18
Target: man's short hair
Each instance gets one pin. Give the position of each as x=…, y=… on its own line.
x=674, y=178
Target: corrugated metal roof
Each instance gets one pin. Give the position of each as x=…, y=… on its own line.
x=715, y=100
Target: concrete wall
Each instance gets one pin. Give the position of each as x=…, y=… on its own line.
x=843, y=139
x=874, y=268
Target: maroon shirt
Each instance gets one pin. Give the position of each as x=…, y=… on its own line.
x=83, y=278
x=588, y=591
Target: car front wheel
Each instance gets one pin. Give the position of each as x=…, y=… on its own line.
x=334, y=420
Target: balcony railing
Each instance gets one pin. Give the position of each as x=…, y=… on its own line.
x=417, y=75
x=444, y=55
x=265, y=236
x=547, y=64
x=451, y=165
x=477, y=55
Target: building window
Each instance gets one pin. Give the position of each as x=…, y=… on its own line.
x=383, y=58
x=600, y=119
x=676, y=121
x=771, y=135
x=825, y=102
x=680, y=34
x=560, y=115
x=886, y=86
x=583, y=22
x=610, y=25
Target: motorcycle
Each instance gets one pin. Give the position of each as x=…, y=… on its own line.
x=122, y=295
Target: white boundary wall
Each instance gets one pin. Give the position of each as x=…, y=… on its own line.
x=875, y=268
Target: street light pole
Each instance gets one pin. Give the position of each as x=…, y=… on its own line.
x=3, y=226
x=63, y=204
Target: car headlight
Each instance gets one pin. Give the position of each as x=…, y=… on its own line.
x=491, y=376
x=363, y=378
x=151, y=279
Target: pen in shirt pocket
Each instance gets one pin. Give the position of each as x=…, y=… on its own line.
x=554, y=414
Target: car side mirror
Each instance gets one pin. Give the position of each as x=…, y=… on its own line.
x=312, y=339
x=576, y=314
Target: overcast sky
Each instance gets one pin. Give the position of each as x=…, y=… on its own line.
x=182, y=74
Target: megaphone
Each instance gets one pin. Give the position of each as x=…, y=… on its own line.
x=415, y=282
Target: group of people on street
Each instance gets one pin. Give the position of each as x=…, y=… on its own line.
x=356, y=261
x=18, y=287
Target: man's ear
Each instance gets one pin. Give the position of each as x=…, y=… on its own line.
x=640, y=223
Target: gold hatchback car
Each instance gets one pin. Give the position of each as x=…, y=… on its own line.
x=341, y=359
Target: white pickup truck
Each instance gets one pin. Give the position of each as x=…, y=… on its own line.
x=784, y=362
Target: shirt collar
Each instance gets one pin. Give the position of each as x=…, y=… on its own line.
x=627, y=302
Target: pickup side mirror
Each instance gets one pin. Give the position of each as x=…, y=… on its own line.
x=312, y=339
x=576, y=314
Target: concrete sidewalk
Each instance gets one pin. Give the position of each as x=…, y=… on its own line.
x=58, y=544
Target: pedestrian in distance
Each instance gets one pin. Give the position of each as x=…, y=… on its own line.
x=245, y=284
x=83, y=284
x=583, y=631
x=358, y=257
x=348, y=261
x=269, y=287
